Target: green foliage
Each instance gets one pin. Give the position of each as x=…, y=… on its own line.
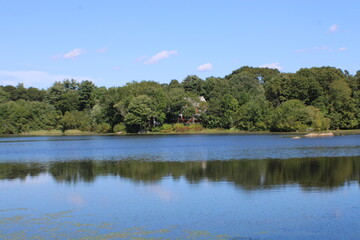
x=4, y=96
x=220, y=112
x=277, y=89
x=249, y=98
x=323, y=75
x=229, y=106
x=188, y=111
x=254, y=115
x=76, y=120
x=103, y=128
x=193, y=84
x=118, y=102
x=140, y=113
x=12, y=92
x=86, y=93
x=166, y=127
x=174, y=84
x=98, y=114
x=196, y=127
x=120, y=127
x=261, y=74
x=211, y=121
x=64, y=96
x=34, y=94
x=290, y=116
x=340, y=93
x=21, y=93
x=319, y=122
x=177, y=102
x=245, y=87
x=22, y=116
x=179, y=127
x=215, y=88
x=105, y=107
x=293, y=115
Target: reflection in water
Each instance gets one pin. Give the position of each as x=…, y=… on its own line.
x=323, y=173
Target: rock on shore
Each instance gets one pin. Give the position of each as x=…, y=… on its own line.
x=330, y=134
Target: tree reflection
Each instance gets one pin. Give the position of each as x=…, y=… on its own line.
x=20, y=170
x=319, y=173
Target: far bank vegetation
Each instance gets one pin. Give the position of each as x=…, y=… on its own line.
x=249, y=99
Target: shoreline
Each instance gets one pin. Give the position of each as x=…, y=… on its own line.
x=203, y=132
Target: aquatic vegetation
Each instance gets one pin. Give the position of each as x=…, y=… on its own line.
x=57, y=225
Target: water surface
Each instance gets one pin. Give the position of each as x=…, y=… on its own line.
x=174, y=147
x=180, y=187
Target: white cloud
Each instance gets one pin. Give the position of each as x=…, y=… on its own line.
x=342, y=49
x=315, y=49
x=74, y=53
x=323, y=48
x=333, y=28
x=101, y=50
x=159, y=56
x=205, y=67
x=37, y=79
x=275, y=65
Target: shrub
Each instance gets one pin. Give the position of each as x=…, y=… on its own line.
x=166, y=128
x=179, y=127
x=103, y=128
x=76, y=120
x=156, y=129
x=119, y=128
x=292, y=115
x=196, y=127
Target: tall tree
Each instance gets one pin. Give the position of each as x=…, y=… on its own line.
x=141, y=113
x=86, y=95
x=193, y=84
x=64, y=95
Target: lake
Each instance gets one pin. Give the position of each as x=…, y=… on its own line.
x=180, y=187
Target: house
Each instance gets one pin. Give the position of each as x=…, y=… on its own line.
x=197, y=105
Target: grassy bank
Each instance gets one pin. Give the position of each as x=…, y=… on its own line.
x=56, y=133
x=76, y=132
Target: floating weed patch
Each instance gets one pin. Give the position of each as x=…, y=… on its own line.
x=203, y=235
x=38, y=238
x=15, y=219
x=59, y=226
x=106, y=226
x=83, y=224
x=59, y=214
x=197, y=234
x=13, y=209
x=222, y=237
x=47, y=229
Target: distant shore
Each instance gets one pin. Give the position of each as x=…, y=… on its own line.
x=76, y=132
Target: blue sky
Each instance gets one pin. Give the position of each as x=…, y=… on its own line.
x=115, y=42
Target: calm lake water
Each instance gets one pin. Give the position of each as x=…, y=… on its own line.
x=180, y=187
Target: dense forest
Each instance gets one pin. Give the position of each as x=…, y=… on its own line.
x=251, y=99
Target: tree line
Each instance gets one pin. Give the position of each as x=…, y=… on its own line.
x=251, y=99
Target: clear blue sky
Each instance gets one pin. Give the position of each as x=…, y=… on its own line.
x=114, y=42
